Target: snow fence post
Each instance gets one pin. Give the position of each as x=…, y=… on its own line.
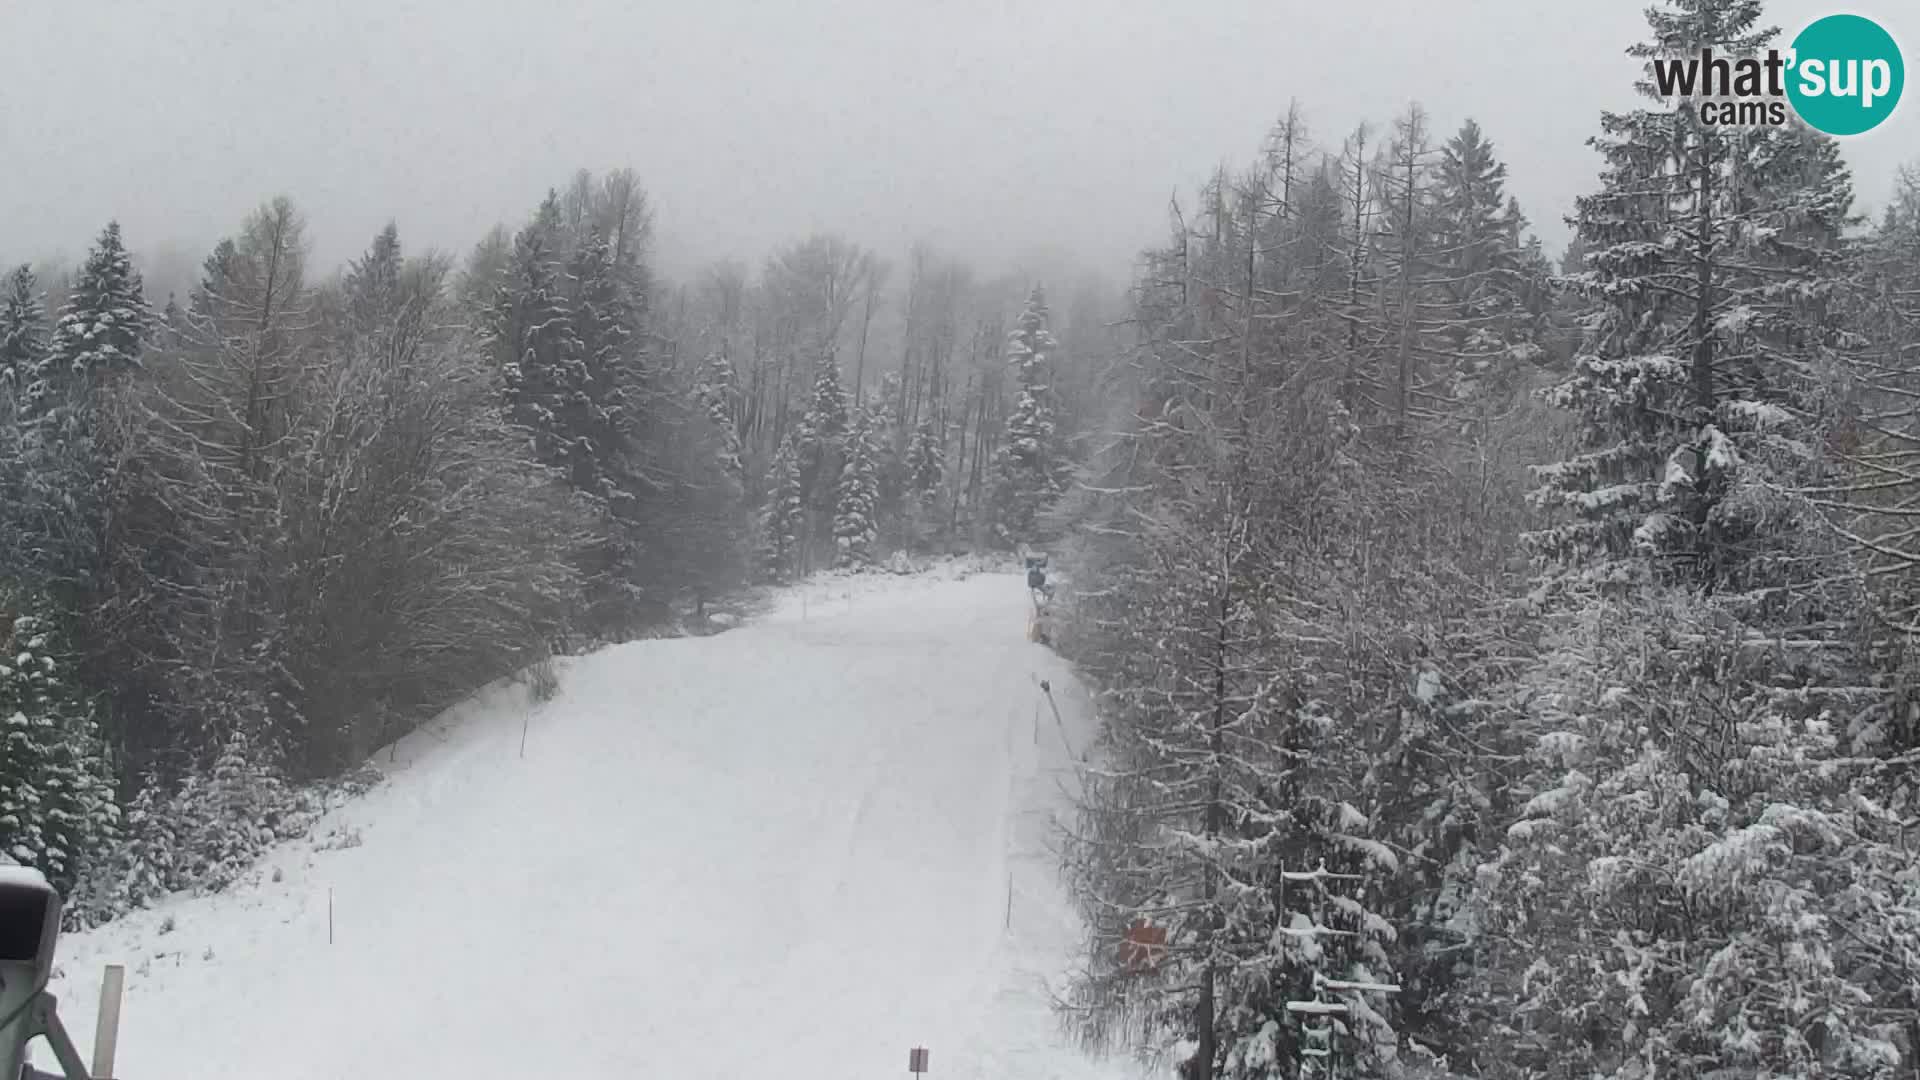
x=106, y=1030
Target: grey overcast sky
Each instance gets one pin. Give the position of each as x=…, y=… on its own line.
x=993, y=129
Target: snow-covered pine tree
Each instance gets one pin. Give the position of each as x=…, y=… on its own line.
x=57, y=809
x=820, y=443
x=854, y=523
x=822, y=433
x=234, y=810
x=1676, y=895
x=542, y=358
x=1711, y=257
x=1033, y=467
x=23, y=334
x=603, y=323
x=23, y=346
x=718, y=393
x=783, y=522
x=99, y=338
x=1484, y=272
x=105, y=322
x=372, y=284
x=925, y=479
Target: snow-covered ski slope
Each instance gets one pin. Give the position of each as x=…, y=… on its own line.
x=788, y=850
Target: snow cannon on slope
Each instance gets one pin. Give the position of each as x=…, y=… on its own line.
x=29, y=927
x=1040, y=591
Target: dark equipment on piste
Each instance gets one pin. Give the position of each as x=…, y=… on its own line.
x=1041, y=592
x=29, y=927
x=1037, y=575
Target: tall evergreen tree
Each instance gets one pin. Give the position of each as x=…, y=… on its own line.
x=925, y=468
x=820, y=440
x=783, y=522
x=822, y=433
x=99, y=337
x=603, y=324
x=719, y=396
x=23, y=333
x=1485, y=270
x=106, y=320
x=1656, y=897
x=1694, y=371
x=56, y=789
x=855, y=525
x=1032, y=469
x=542, y=357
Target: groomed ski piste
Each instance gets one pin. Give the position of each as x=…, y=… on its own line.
x=795, y=849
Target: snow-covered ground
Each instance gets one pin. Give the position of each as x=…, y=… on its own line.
x=790, y=850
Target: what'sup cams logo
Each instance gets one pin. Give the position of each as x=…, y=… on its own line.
x=1843, y=75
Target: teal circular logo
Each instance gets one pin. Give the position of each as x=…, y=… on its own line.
x=1847, y=74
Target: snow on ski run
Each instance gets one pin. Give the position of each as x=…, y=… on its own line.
x=785, y=850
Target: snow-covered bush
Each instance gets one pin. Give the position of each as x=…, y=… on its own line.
x=206, y=833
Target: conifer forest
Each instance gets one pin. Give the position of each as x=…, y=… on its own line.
x=1511, y=646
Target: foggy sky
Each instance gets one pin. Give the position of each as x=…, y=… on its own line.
x=994, y=130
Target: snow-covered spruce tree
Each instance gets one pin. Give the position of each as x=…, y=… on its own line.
x=1032, y=468
x=921, y=487
x=23, y=334
x=23, y=492
x=1677, y=894
x=718, y=393
x=783, y=521
x=1488, y=274
x=823, y=428
x=373, y=291
x=106, y=320
x=96, y=341
x=820, y=443
x=1712, y=258
x=1691, y=886
x=605, y=462
x=855, y=527
x=603, y=323
x=542, y=358
x=56, y=788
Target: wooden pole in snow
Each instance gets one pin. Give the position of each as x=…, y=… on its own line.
x=106, y=1028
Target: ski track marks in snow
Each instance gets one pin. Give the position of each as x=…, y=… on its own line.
x=782, y=850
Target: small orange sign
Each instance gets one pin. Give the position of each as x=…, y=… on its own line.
x=1144, y=946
